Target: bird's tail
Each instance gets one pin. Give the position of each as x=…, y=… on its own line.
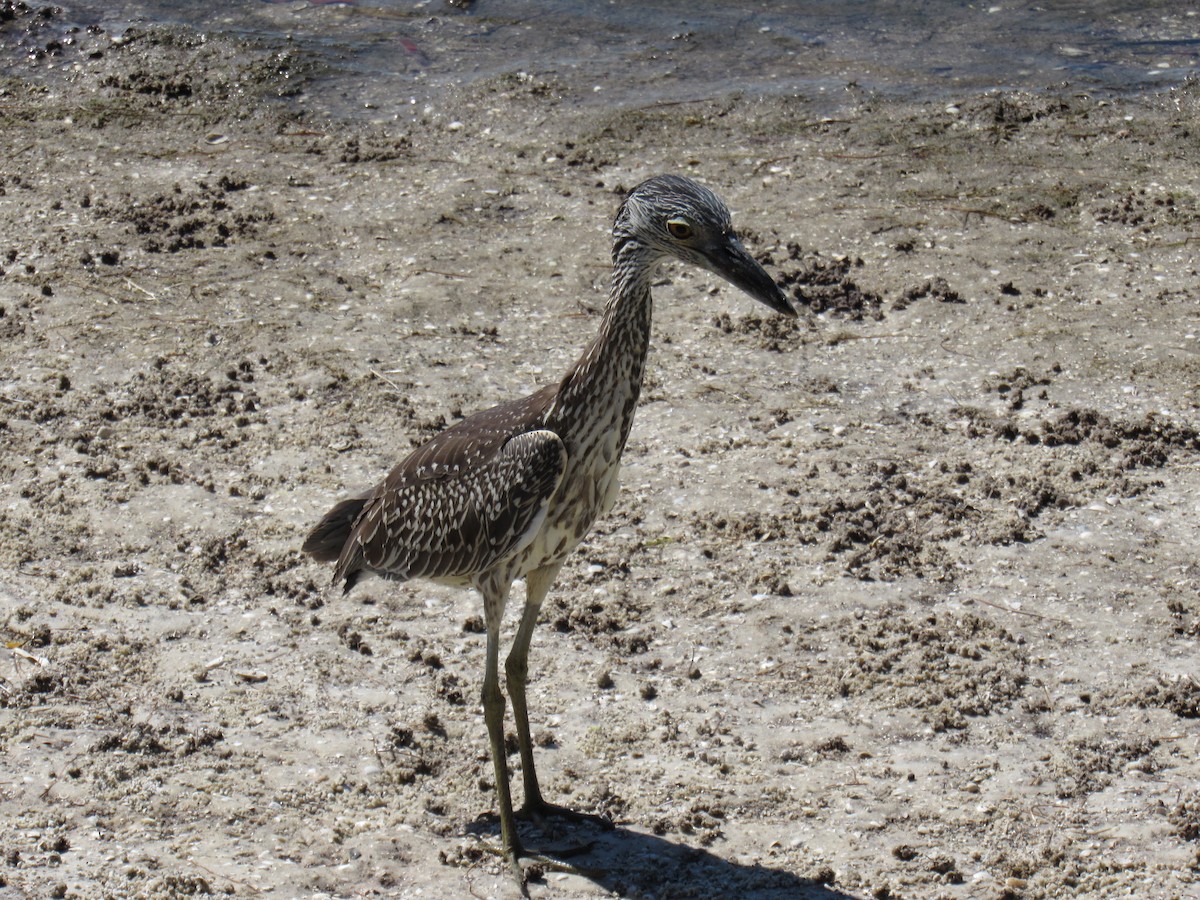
x=325, y=542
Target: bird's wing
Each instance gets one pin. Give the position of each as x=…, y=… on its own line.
x=466, y=499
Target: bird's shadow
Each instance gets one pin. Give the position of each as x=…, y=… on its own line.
x=632, y=863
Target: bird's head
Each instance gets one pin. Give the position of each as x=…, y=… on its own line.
x=670, y=215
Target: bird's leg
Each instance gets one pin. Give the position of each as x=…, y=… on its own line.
x=494, y=597
x=493, y=714
x=516, y=667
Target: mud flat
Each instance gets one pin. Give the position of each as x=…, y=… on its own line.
x=900, y=599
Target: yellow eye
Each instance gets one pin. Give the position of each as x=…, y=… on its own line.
x=680, y=229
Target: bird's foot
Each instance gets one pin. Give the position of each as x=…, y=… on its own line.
x=525, y=864
x=539, y=811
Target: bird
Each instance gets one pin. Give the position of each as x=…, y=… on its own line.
x=508, y=492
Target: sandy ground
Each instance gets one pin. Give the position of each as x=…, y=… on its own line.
x=900, y=600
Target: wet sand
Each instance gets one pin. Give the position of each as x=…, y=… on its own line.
x=899, y=599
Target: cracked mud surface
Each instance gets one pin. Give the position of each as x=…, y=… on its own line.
x=899, y=599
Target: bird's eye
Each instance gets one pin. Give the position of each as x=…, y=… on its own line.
x=680, y=229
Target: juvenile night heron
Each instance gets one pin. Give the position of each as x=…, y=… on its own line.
x=509, y=492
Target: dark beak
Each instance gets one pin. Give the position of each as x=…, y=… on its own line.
x=730, y=260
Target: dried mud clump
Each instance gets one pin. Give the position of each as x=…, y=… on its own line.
x=10, y=10
x=189, y=218
x=173, y=886
x=1144, y=211
x=410, y=755
x=75, y=666
x=937, y=288
x=1185, y=618
x=949, y=667
x=41, y=32
x=614, y=618
x=1180, y=696
x=11, y=325
x=1086, y=765
x=112, y=441
x=1185, y=816
x=165, y=66
x=883, y=523
x=179, y=398
x=876, y=530
x=699, y=819
x=824, y=285
x=810, y=753
x=286, y=575
x=774, y=333
x=1011, y=386
x=209, y=410
x=1007, y=114
x=1147, y=442
x=140, y=738
x=371, y=149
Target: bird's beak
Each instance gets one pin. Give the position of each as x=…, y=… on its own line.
x=731, y=261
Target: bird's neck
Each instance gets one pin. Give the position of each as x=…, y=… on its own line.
x=608, y=375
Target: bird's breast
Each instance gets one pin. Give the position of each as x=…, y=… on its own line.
x=589, y=489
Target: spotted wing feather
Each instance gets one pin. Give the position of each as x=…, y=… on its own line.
x=465, y=500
